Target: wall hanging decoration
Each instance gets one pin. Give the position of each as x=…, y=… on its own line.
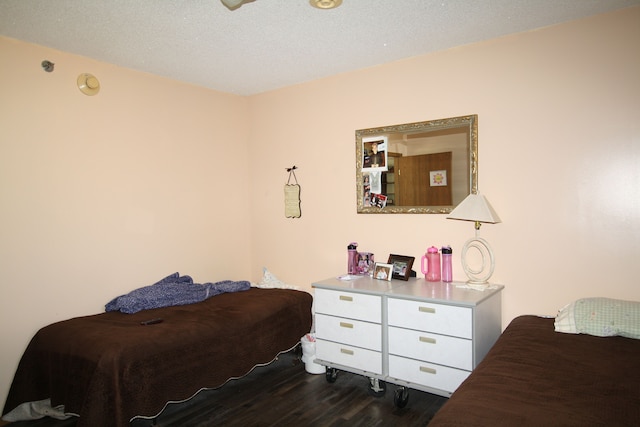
x=88, y=84
x=438, y=178
x=292, y=196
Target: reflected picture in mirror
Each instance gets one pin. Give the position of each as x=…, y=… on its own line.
x=422, y=167
x=374, y=154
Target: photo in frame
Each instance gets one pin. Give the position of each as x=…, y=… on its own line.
x=401, y=266
x=366, y=263
x=383, y=271
x=375, y=156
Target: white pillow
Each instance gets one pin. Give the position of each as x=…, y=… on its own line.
x=602, y=317
x=269, y=281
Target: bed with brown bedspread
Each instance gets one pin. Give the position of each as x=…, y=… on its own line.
x=108, y=368
x=534, y=376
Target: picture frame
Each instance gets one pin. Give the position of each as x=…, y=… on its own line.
x=383, y=271
x=366, y=263
x=438, y=178
x=401, y=266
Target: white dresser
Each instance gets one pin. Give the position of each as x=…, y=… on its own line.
x=416, y=334
x=349, y=322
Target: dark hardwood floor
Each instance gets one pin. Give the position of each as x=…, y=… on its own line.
x=283, y=394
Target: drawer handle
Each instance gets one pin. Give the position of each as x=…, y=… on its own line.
x=346, y=351
x=426, y=309
x=428, y=340
x=346, y=325
x=427, y=370
x=345, y=298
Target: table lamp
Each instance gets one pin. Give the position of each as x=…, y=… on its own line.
x=475, y=207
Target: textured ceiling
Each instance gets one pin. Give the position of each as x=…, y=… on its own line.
x=269, y=44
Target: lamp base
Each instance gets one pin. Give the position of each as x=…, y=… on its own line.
x=479, y=276
x=477, y=283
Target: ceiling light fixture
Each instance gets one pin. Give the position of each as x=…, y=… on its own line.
x=325, y=4
x=234, y=4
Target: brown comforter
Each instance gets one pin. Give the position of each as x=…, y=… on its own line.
x=534, y=376
x=108, y=368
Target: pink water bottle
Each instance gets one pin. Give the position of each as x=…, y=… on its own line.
x=432, y=270
x=447, y=270
x=352, y=258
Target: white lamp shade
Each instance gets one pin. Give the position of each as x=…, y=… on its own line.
x=475, y=207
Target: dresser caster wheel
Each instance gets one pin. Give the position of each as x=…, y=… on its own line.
x=331, y=375
x=401, y=397
x=377, y=388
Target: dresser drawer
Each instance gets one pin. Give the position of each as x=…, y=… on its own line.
x=354, y=357
x=348, y=304
x=440, y=349
x=424, y=316
x=426, y=374
x=354, y=332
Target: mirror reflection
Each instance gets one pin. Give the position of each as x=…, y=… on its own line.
x=423, y=167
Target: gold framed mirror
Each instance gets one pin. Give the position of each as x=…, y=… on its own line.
x=424, y=167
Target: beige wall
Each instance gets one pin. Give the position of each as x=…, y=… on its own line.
x=103, y=194
x=559, y=159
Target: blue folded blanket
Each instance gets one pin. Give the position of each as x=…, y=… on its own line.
x=172, y=290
